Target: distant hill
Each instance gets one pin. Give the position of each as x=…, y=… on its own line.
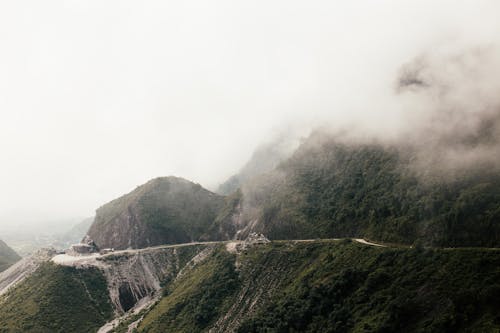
x=164, y=210
x=28, y=238
x=7, y=256
x=75, y=234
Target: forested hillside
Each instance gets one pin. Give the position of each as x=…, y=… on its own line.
x=333, y=286
x=330, y=188
x=165, y=210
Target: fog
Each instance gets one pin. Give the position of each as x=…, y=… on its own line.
x=97, y=97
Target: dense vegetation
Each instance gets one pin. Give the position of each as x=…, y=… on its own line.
x=56, y=299
x=329, y=189
x=321, y=286
x=326, y=189
x=193, y=302
x=334, y=287
x=164, y=210
x=361, y=289
x=7, y=256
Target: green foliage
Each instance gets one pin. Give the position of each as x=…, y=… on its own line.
x=57, y=299
x=7, y=256
x=322, y=286
x=333, y=286
x=192, y=303
x=328, y=189
x=355, y=288
x=165, y=210
x=179, y=214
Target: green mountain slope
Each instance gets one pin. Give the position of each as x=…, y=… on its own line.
x=7, y=256
x=56, y=299
x=330, y=189
x=327, y=188
x=285, y=286
x=332, y=287
x=81, y=299
x=164, y=210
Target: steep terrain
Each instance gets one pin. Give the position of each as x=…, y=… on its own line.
x=23, y=269
x=333, y=189
x=165, y=210
x=56, y=299
x=312, y=286
x=81, y=296
x=7, y=256
x=329, y=187
x=331, y=286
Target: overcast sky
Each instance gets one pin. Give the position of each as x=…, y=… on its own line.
x=98, y=96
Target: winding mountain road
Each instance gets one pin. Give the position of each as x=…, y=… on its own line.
x=69, y=260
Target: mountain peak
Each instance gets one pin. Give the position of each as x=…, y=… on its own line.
x=163, y=210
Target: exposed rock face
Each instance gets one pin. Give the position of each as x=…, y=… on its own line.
x=135, y=275
x=163, y=211
x=139, y=275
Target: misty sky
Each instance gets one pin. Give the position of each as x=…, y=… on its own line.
x=97, y=97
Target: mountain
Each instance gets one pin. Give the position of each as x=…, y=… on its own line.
x=332, y=287
x=164, y=210
x=264, y=159
x=7, y=256
x=329, y=188
x=313, y=286
x=302, y=281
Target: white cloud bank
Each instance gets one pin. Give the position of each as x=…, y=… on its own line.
x=97, y=97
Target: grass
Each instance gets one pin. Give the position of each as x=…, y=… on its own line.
x=334, y=286
x=193, y=302
x=57, y=299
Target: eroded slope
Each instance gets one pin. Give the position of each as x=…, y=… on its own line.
x=332, y=286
